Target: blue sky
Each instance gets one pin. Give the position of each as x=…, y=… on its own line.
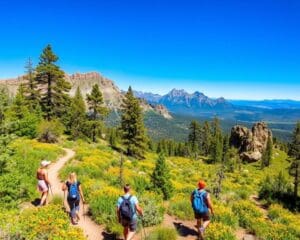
x=235, y=49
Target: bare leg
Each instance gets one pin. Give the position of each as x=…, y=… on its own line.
x=125, y=232
x=44, y=198
x=205, y=224
x=130, y=235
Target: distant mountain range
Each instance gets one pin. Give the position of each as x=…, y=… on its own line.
x=182, y=102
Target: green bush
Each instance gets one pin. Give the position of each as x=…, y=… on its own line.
x=181, y=208
x=162, y=234
x=49, y=222
x=219, y=231
x=153, y=210
x=50, y=131
x=246, y=212
x=225, y=216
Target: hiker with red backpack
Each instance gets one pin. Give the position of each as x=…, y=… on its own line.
x=201, y=204
x=73, y=198
x=127, y=209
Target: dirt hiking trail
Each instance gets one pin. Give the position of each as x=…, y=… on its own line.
x=91, y=230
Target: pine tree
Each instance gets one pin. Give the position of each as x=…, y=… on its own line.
x=30, y=90
x=267, y=153
x=226, y=148
x=194, y=137
x=23, y=121
x=78, y=117
x=52, y=85
x=132, y=126
x=97, y=111
x=206, y=138
x=216, y=148
x=160, y=178
x=4, y=103
x=294, y=152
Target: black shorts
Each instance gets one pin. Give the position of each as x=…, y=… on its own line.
x=132, y=225
x=203, y=216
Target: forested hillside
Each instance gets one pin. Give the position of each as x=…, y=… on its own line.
x=251, y=176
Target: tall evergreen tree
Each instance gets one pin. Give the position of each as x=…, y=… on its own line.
x=267, y=153
x=52, y=85
x=30, y=90
x=226, y=147
x=78, y=117
x=97, y=111
x=216, y=148
x=132, y=126
x=160, y=178
x=206, y=138
x=194, y=137
x=4, y=103
x=294, y=152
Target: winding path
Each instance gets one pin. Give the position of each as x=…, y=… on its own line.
x=91, y=230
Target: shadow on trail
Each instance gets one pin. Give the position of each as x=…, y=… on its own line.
x=183, y=230
x=36, y=202
x=110, y=236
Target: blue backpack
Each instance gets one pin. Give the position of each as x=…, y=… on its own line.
x=73, y=191
x=199, y=203
x=126, y=209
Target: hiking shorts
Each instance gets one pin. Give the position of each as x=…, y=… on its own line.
x=42, y=186
x=132, y=225
x=203, y=216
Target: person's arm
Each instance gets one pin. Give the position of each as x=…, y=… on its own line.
x=209, y=204
x=64, y=187
x=46, y=177
x=118, y=214
x=139, y=209
x=81, y=193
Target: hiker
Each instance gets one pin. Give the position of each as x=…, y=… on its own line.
x=73, y=198
x=201, y=204
x=43, y=181
x=127, y=209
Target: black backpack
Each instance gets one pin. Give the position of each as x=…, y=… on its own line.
x=126, y=210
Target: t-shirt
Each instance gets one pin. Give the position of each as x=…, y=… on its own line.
x=68, y=184
x=133, y=201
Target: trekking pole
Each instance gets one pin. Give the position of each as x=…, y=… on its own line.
x=144, y=228
x=50, y=190
x=83, y=210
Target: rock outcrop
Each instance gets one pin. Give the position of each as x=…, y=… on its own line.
x=251, y=143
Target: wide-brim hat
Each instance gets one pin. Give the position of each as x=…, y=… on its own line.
x=45, y=163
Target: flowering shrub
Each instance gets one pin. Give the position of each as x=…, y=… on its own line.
x=219, y=231
x=181, y=207
x=46, y=223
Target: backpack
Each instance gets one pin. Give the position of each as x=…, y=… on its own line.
x=73, y=191
x=126, y=210
x=199, y=203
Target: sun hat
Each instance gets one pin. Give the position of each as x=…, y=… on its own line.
x=201, y=184
x=45, y=163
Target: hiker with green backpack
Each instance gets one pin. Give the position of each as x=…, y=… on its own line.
x=127, y=209
x=201, y=204
x=73, y=198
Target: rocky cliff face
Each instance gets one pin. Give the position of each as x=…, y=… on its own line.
x=251, y=143
x=112, y=95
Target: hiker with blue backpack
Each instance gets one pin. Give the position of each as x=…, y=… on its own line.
x=73, y=186
x=127, y=209
x=201, y=204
